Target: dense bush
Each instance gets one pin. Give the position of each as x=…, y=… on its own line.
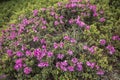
x=67, y=42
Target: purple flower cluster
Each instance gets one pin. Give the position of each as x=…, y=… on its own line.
x=9, y=52
x=64, y=66
x=56, y=45
x=111, y=49
x=90, y=49
x=27, y=70
x=95, y=66
x=116, y=37
x=18, y=64
x=102, y=41
x=72, y=40
x=43, y=64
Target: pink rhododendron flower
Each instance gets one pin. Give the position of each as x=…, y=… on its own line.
x=28, y=53
x=64, y=63
x=71, y=21
x=49, y=54
x=111, y=49
x=87, y=27
x=61, y=22
x=74, y=60
x=43, y=64
x=56, y=23
x=102, y=19
x=42, y=41
x=59, y=3
x=9, y=52
x=58, y=64
x=27, y=70
x=85, y=47
x=44, y=27
x=55, y=45
x=92, y=49
x=18, y=66
x=66, y=38
x=61, y=44
x=100, y=72
x=79, y=66
x=23, y=47
x=63, y=68
x=43, y=46
x=70, y=68
x=70, y=52
x=95, y=14
x=19, y=54
x=102, y=41
x=35, y=38
x=60, y=56
x=52, y=13
x=35, y=12
x=97, y=67
x=90, y=64
x=73, y=40
x=116, y=37
x=61, y=17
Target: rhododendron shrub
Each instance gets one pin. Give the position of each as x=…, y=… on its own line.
x=57, y=43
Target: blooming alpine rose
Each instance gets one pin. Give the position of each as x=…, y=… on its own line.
x=70, y=52
x=91, y=64
x=43, y=27
x=70, y=68
x=28, y=53
x=72, y=40
x=43, y=64
x=92, y=49
x=17, y=61
x=95, y=14
x=55, y=45
x=19, y=54
x=63, y=68
x=64, y=63
x=43, y=46
x=9, y=52
x=60, y=56
x=100, y=72
x=71, y=21
x=87, y=27
x=102, y=41
x=56, y=23
x=27, y=70
x=74, y=60
x=49, y=54
x=35, y=12
x=66, y=38
x=18, y=66
x=116, y=37
x=79, y=66
x=102, y=19
x=61, y=44
x=35, y=38
x=111, y=49
x=85, y=47
x=42, y=41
